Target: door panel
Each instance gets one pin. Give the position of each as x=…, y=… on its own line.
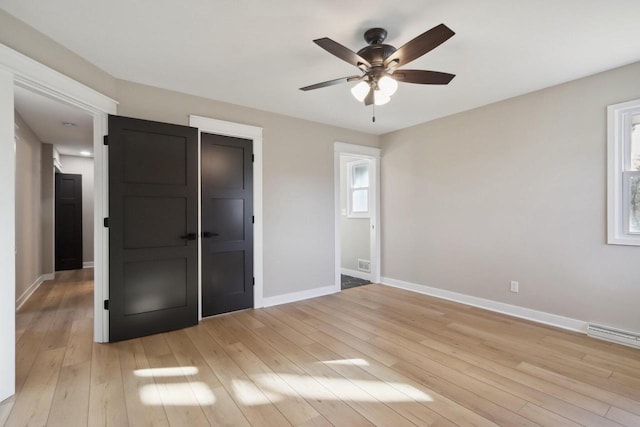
x=227, y=224
x=144, y=228
x=68, y=222
x=153, y=217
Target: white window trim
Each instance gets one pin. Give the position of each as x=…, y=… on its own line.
x=618, y=156
x=350, y=189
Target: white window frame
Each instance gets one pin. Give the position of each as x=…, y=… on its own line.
x=619, y=129
x=351, y=189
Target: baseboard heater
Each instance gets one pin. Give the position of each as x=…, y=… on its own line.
x=614, y=335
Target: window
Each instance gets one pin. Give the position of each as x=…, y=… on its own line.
x=624, y=173
x=358, y=189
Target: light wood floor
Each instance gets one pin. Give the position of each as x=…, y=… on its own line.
x=371, y=355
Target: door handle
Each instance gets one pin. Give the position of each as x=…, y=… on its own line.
x=208, y=234
x=189, y=236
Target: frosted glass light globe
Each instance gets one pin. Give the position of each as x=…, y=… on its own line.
x=388, y=85
x=360, y=91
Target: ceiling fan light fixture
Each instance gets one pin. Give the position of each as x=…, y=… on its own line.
x=360, y=91
x=388, y=85
x=380, y=98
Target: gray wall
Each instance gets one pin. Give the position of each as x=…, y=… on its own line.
x=47, y=209
x=28, y=237
x=297, y=181
x=514, y=191
x=355, y=236
x=297, y=154
x=83, y=166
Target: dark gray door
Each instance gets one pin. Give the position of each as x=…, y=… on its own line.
x=227, y=224
x=68, y=223
x=153, y=220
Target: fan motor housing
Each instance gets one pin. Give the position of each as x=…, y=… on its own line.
x=376, y=53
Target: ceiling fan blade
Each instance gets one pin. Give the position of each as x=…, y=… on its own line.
x=331, y=82
x=420, y=45
x=342, y=52
x=423, y=77
x=370, y=98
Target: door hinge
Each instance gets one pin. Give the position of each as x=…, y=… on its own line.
x=253, y=158
x=106, y=304
x=253, y=219
x=106, y=222
x=105, y=140
x=254, y=281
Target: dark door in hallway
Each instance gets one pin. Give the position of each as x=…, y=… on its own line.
x=68, y=222
x=227, y=224
x=153, y=225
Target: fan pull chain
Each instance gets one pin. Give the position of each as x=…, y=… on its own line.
x=373, y=117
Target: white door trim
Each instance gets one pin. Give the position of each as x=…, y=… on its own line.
x=238, y=130
x=373, y=154
x=41, y=79
x=7, y=238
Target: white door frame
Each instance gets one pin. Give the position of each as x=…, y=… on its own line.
x=29, y=74
x=373, y=154
x=254, y=133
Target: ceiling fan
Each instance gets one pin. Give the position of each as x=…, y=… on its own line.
x=380, y=64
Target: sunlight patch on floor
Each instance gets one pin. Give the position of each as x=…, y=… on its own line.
x=353, y=390
x=177, y=394
x=248, y=394
x=353, y=362
x=166, y=372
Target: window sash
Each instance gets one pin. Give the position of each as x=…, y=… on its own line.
x=358, y=184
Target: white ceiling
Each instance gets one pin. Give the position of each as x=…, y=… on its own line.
x=258, y=53
x=46, y=119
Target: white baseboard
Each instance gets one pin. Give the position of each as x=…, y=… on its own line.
x=48, y=276
x=500, y=307
x=88, y=264
x=355, y=273
x=298, y=296
x=28, y=292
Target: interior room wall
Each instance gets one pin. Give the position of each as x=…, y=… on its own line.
x=83, y=166
x=355, y=239
x=27, y=208
x=514, y=191
x=32, y=43
x=297, y=181
x=297, y=160
x=47, y=209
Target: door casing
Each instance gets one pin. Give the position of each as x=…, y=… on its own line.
x=373, y=154
x=17, y=69
x=254, y=133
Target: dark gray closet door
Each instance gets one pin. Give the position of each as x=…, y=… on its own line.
x=227, y=224
x=153, y=220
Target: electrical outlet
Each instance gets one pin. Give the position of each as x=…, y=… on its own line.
x=514, y=286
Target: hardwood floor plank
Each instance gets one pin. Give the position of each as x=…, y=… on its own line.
x=139, y=388
x=80, y=344
x=544, y=417
x=106, y=399
x=253, y=403
x=221, y=410
x=5, y=409
x=371, y=355
x=278, y=359
x=32, y=405
x=70, y=406
x=623, y=417
x=174, y=392
x=539, y=398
